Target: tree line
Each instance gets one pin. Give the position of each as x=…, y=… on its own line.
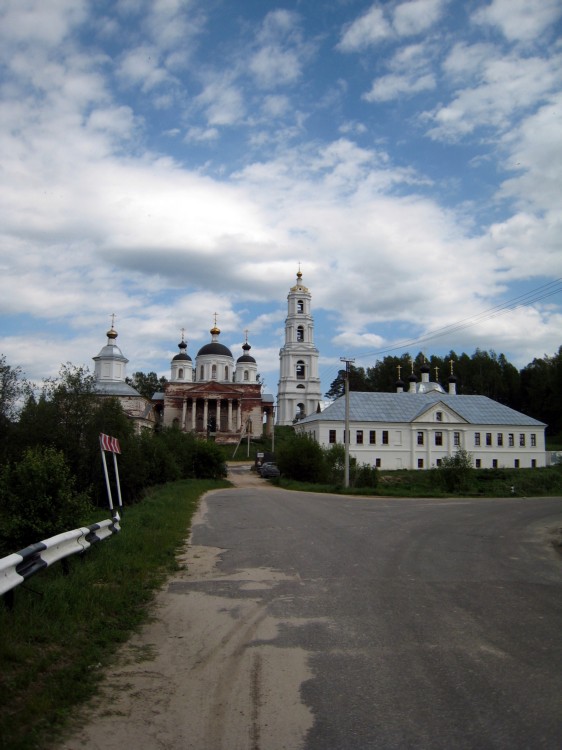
x=535, y=390
x=51, y=474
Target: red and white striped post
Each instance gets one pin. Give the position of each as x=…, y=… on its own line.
x=111, y=445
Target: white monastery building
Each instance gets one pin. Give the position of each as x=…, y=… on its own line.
x=418, y=428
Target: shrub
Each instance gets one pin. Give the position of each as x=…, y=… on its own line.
x=301, y=458
x=38, y=499
x=456, y=472
x=366, y=476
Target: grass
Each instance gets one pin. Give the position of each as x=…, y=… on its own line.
x=483, y=482
x=64, y=628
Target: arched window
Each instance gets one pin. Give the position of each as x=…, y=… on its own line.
x=246, y=375
x=300, y=333
x=202, y=373
x=214, y=372
x=300, y=306
x=226, y=372
x=301, y=370
x=300, y=410
x=180, y=373
x=300, y=385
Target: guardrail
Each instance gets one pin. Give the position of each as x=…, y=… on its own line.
x=18, y=567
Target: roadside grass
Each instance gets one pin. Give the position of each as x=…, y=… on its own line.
x=492, y=483
x=63, y=629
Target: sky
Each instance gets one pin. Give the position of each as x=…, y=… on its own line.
x=168, y=160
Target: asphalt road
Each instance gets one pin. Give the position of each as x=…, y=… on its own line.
x=425, y=623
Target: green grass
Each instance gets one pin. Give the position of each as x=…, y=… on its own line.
x=484, y=482
x=64, y=629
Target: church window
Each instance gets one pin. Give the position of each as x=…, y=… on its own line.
x=359, y=437
x=488, y=438
x=420, y=463
x=476, y=438
x=214, y=372
x=301, y=370
x=226, y=372
x=511, y=440
x=300, y=385
x=246, y=375
x=180, y=373
x=438, y=416
x=438, y=438
x=420, y=438
x=300, y=306
x=494, y=463
x=300, y=333
x=478, y=463
x=516, y=463
x=522, y=440
x=378, y=463
x=372, y=437
x=533, y=440
x=456, y=439
x=202, y=373
x=385, y=437
x=332, y=436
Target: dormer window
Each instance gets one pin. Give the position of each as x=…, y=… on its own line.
x=438, y=416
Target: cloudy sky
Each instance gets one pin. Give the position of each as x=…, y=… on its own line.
x=165, y=160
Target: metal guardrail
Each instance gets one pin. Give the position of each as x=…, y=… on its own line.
x=18, y=567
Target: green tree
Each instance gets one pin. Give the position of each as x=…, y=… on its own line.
x=301, y=458
x=147, y=384
x=38, y=499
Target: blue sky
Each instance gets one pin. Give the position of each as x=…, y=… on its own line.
x=164, y=160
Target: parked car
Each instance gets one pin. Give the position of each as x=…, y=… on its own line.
x=268, y=470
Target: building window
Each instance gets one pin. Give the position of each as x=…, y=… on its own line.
x=385, y=437
x=226, y=373
x=373, y=437
x=478, y=463
x=180, y=373
x=420, y=438
x=300, y=333
x=300, y=306
x=533, y=440
x=456, y=439
x=359, y=437
x=533, y=463
x=214, y=372
x=438, y=438
x=438, y=462
x=476, y=438
x=500, y=439
x=511, y=439
x=438, y=416
x=488, y=438
x=301, y=370
x=378, y=463
x=201, y=373
x=516, y=463
x=246, y=375
x=522, y=439
x=332, y=436
x=420, y=463
x=494, y=463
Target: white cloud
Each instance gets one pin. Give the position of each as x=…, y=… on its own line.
x=416, y=16
x=368, y=29
x=222, y=101
x=392, y=86
x=519, y=20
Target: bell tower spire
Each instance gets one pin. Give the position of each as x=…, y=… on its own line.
x=299, y=391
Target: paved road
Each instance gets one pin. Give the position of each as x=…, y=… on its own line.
x=427, y=623
x=320, y=622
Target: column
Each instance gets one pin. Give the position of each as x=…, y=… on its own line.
x=183, y=414
x=218, y=414
x=205, y=413
x=193, y=414
x=230, y=415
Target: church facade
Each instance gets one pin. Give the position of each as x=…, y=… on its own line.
x=216, y=396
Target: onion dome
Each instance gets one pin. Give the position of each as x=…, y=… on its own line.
x=246, y=357
x=183, y=355
x=425, y=368
x=111, y=334
x=215, y=347
x=412, y=378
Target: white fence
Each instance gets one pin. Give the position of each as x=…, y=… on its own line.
x=21, y=565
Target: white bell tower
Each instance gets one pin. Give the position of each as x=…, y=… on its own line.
x=299, y=393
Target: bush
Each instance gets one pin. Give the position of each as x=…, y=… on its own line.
x=38, y=500
x=366, y=476
x=301, y=458
x=456, y=472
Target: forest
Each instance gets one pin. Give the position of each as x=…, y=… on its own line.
x=536, y=390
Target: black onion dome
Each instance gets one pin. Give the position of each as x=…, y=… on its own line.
x=399, y=383
x=413, y=378
x=246, y=357
x=215, y=348
x=182, y=346
x=425, y=367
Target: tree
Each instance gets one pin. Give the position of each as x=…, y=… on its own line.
x=147, y=384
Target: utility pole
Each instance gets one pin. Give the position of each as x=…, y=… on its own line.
x=346, y=430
